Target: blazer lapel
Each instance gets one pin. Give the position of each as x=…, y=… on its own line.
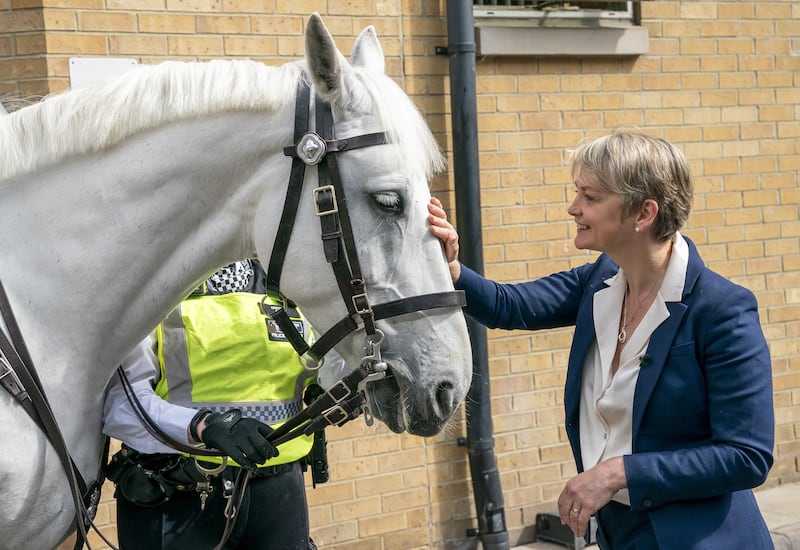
x=582, y=340
x=653, y=361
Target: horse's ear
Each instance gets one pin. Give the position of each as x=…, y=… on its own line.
x=325, y=63
x=367, y=51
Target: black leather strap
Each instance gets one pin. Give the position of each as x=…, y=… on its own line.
x=31, y=391
x=153, y=428
x=196, y=419
x=293, y=193
x=386, y=310
x=357, y=142
x=403, y=306
x=243, y=476
x=423, y=302
x=335, y=406
x=345, y=144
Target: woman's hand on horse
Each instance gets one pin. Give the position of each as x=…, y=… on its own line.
x=444, y=231
x=242, y=439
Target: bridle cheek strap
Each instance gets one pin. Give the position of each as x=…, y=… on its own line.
x=346, y=267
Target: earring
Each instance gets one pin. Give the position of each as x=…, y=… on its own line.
x=636, y=228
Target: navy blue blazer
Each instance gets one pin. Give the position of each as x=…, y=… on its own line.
x=703, y=419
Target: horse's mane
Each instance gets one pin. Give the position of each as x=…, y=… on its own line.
x=91, y=119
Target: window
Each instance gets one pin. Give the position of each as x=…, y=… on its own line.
x=558, y=27
x=556, y=12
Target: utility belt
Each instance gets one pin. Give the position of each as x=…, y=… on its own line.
x=151, y=479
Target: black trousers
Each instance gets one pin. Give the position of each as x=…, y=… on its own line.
x=273, y=516
x=620, y=528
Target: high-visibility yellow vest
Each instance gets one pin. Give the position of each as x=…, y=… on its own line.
x=222, y=352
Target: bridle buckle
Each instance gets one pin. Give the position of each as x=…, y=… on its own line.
x=361, y=304
x=334, y=208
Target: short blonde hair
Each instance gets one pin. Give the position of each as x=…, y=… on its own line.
x=638, y=167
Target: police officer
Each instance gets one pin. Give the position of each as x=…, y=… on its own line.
x=217, y=373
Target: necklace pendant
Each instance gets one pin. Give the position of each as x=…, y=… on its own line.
x=622, y=336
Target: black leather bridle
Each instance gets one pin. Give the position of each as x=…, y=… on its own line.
x=321, y=148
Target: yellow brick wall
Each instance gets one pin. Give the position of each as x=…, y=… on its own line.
x=721, y=80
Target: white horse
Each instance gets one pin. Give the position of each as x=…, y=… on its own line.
x=116, y=201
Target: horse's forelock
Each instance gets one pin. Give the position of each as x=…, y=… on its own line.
x=403, y=122
x=91, y=119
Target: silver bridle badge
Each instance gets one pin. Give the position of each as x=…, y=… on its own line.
x=311, y=148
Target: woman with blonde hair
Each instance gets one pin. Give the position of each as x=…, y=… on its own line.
x=668, y=393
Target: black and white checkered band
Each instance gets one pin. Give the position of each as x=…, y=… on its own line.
x=236, y=277
x=269, y=413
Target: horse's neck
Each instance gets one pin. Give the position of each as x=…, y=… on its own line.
x=100, y=248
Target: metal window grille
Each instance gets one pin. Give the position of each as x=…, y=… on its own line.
x=553, y=9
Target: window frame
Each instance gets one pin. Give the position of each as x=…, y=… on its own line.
x=574, y=36
x=558, y=17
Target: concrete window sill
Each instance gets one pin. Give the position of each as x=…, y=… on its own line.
x=561, y=41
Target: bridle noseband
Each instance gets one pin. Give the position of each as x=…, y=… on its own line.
x=321, y=149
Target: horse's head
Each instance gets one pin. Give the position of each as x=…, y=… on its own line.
x=386, y=191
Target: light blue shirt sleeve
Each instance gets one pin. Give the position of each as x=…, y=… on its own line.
x=120, y=420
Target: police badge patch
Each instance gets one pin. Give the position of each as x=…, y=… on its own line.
x=277, y=335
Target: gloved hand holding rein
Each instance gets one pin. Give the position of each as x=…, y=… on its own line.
x=242, y=439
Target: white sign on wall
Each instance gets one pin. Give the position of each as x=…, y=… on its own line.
x=85, y=71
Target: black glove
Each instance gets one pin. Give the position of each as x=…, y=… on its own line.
x=242, y=439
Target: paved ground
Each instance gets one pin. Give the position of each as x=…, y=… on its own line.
x=780, y=506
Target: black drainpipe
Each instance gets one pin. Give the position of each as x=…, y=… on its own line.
x=480, y=442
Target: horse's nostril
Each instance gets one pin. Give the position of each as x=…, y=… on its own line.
x=444, y=398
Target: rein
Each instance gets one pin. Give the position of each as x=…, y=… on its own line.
x=18, y=376
x=335, y=406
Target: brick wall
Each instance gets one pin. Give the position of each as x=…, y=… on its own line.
x=721, y=80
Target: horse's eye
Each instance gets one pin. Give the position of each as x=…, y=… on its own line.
x=388, y=201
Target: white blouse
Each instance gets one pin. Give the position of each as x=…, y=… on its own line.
x=606, y=411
